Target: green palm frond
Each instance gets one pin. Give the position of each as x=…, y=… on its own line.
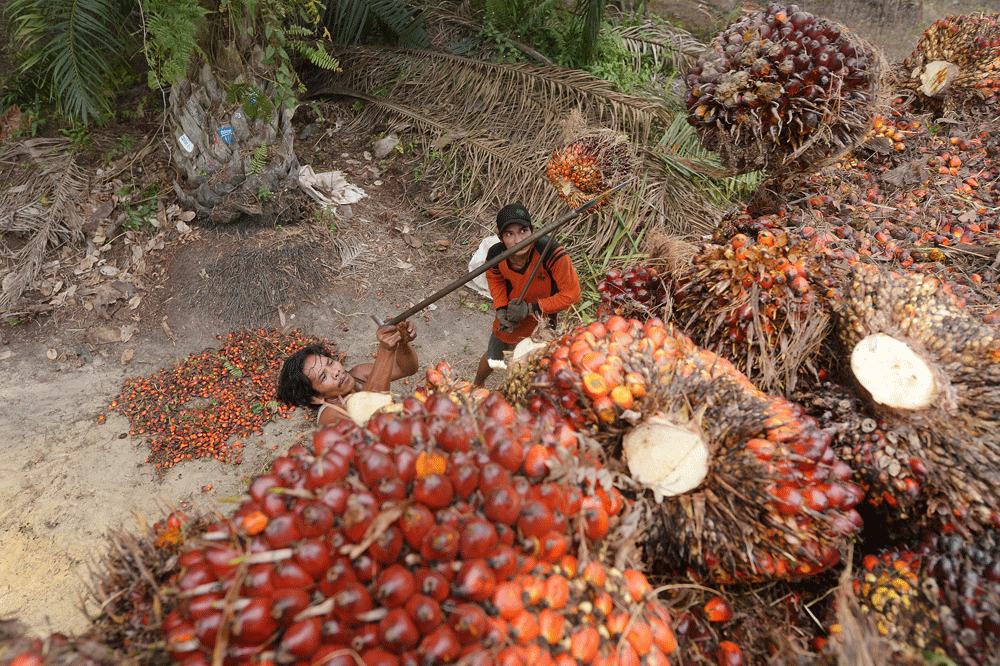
x=71, y=46
x=669, y=46
x=349, y=20
x=492, y=128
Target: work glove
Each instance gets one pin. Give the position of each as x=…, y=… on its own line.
x=517, y=310
x=506, y=325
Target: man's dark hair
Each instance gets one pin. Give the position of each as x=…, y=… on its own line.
x=294, y=387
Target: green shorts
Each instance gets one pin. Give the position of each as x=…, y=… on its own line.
x=496, y=347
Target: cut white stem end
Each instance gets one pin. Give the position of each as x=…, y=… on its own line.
x=892, y=373
x=667, y=458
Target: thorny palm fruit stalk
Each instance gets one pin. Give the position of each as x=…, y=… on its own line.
x=431, y=535
x=956, y=61
x=738, y=484
x=924, y=364
x=782, y=88
x=588, y=166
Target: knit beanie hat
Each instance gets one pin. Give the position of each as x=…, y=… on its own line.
x=514, y=212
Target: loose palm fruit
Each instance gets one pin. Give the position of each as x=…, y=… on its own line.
x=588, y=166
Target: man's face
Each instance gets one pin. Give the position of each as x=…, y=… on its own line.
x=328, y=376
x=513, y=234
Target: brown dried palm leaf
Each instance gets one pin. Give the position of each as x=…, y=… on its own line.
x=40, y=186
x=492, y=128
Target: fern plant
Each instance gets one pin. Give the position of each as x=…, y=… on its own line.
x=171, y=26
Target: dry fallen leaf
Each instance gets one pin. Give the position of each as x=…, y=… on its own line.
x=127, y=356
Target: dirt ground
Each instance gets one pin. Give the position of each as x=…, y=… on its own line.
x=67, y=476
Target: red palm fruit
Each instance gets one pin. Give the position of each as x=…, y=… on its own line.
x=507, y=600
x=207, y=628
x=583, y=644
x=511, y=656
x=439, y=647
x=313, y=555
x=287, y=603
x=470, y=623
x=181, y=640
x=640, y=637
x=568, y=564
x=595, y=574
x=502, y=505
x=611, y=499
x=532, y=589
x=394, y=586
x=261, y=485
x=505, y=533
x=535, y=519
x=326, y=469
x=493, y=475
x=330, y=654
x=27, y=658
x=637, y=584
x=554, y=545
x=415, y=523
x=258, y=581
x=432, y=583
x=729, y=654
x=274, y=504
x=288, y=574
x=504, y=562
x=351, y=601
x=202, y=605
x=603, y=604
x=336, y=632
x=387, y=545
x=550, y=494
x=663, y=635
x=196, y=575
x=335, y=496
x=524, y=627
x=479, y=539
x=556, y=592
x=441, y=543
x=434, y=491
x=717, y=610
x=406, y=463
x=373, y=465
x=535, y=461
x=254, y=624
x=509, y=454
x=303, y=638
x=376, y=656
x=425, y=612
x=475, y=581
x=551, y=625
x=408, y=658
x=390, y=489
x=365, y=637
x=362, y=508
x=572, y=501
x=457, y=436
x=464, y=479
x=565, y=659
x=337, y=577
x=366, y=568
x=595, y=519
x=222, y=558
x=397, y=631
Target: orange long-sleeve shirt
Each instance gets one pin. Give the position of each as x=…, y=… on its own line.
x=555, y=288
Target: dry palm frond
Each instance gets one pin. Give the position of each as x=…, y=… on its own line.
x=39, y=198
x=492, y=128
x=669, y=46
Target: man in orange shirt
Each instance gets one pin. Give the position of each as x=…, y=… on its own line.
x=555, y=286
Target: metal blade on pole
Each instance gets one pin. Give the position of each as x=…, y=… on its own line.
x=472, y=275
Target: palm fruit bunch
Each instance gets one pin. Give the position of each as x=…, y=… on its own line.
x=638, y=292
x=427, y=537
x=589, y=166
x=761, y=299
x=957, y=61
x=930, y=370
x=442, y=379
x=890, y=592
x=883, y=454
x=781, y=88
x=737, y=485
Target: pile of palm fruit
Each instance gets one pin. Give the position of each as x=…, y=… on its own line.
x=780, y=88
x=589, y=166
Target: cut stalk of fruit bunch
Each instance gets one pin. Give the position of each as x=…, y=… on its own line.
x=892, y=373
x=668, y=458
